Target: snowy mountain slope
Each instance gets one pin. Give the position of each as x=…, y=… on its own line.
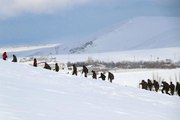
x=137, y=33
x=134, y=34
x=28, y=93
x=39, y=50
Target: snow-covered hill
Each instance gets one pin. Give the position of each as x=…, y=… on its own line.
x=38, y=50
x=28, y=93
x=137, y=33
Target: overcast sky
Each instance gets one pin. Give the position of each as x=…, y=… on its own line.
x=50, y=21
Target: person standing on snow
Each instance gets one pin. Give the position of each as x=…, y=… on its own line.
x=172, y=88
x=4, y=56
x=156, y=85
x=35, y=62
x=74, y=70
x=85, y=71
x=94, y=76
x=150, y=84
x=56, y=67
x=110, y=76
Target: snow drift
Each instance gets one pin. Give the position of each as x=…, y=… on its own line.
x=28, y=93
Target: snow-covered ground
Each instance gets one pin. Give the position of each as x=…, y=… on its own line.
x=28, y=93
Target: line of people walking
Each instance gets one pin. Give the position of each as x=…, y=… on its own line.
x=46, y=66
x=74, y=71
x=94, y=75
x=165, y=87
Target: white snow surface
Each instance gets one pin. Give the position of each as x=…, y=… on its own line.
x=28, y=93
x=139, y=33
x=27, y=48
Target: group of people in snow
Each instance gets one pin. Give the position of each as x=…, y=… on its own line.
x=74, y=71
x=46, y=66
x=94, y=75
x=165, y=87
x=4, y=56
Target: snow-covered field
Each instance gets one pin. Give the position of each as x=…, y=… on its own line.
x=28, y=93
x=133, y=77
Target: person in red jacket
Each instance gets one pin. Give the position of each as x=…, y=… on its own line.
x=4, y=56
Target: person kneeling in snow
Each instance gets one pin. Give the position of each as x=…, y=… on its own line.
x=14, y=58
x=144, y=84
x=102, y=76
x=46, y=66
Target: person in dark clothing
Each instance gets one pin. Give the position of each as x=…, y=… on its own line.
x=172, y=88
x=35, y=62
x=156, y=85
x=144, y=84
x=4, y=56
x=14, y=58
x=94, y=76
x=178, y=88
x=150, y=85
x=85, y=71
x=74, y=70
x=103, y=77
x=46, y=66
x=165, y=88
x=110, y=76
x=56, y=67
x=178, y=91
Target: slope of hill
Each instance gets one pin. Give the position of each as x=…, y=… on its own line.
x=137, y=33
x=39, y=50
x=28, y=93
x=134, y=34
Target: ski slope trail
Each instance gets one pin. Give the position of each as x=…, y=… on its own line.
x=28, y=93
